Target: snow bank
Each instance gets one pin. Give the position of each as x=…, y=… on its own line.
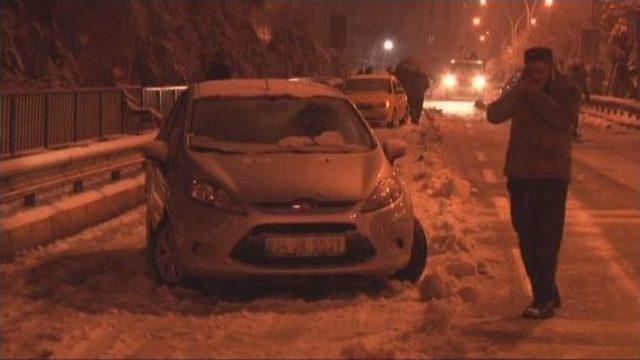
x=360, y=350
x=443, y=202
x=437, y=318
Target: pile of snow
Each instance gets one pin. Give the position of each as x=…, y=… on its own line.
x=361, y=350
x=456, y=268
x=596, y=121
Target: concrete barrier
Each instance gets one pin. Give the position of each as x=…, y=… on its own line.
x=45, y=224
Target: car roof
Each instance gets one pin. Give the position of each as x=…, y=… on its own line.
x=372, y=76
x=263, y=87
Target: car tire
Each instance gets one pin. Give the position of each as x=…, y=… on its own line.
x=162, y=256
x=418, y=261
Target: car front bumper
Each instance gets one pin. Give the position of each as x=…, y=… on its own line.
x=377, y=116
x=212, y=243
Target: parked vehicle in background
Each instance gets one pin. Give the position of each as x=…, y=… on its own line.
x=332, y=81
x=464, y=79
x=276, y=178
x=379, y=97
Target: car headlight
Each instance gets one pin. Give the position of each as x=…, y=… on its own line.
x=384, y=105
x=386, y=193
x=479, y=82
x=449, y=81
x=212, y=195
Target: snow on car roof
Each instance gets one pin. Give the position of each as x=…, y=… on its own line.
x=258, y=87
x=372, y=76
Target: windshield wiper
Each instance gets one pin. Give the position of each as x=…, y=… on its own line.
x=310, y=149
x=208, y=148
x=199, y=143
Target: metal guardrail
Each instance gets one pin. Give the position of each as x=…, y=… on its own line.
x=620, y=104
x=624, y=112
x=36, y=120
x=27, y=176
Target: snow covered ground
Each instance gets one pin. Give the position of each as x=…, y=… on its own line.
x=91, y=295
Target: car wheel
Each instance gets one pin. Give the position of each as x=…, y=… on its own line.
x=418, y=261
x=164, y=259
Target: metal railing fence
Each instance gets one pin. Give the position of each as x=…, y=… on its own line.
x=35, y=120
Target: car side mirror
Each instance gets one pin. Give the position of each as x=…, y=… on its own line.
x=155, y=150
x=394, y=149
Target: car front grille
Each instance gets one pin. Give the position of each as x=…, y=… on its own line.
x=251, y=249
x=302, y=206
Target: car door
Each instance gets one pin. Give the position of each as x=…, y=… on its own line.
x=156, y=186
x=400, y=98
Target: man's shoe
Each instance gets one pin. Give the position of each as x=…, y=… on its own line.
x=539, y=312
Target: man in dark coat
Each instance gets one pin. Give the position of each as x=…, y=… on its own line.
x=543, y=108
x=415, y=83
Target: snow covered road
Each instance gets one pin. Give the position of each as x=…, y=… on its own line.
x=91, y=295
x=599, y=267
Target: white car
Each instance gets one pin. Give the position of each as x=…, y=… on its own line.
x=266, y=177
x=379, y=97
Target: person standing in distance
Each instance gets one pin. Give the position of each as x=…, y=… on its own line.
x=543, y=107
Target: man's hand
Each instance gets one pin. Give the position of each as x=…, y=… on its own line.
x=527, y=86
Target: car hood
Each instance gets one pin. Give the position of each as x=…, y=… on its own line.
x=284, y=177
x=368, y=98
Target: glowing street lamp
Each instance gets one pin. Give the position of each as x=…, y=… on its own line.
x=388, y=45
x=548, y=3
x=482, y=38
x=477, y=21
x=534, y=21
x=483, y=2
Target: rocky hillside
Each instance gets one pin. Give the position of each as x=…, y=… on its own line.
x=60, y=43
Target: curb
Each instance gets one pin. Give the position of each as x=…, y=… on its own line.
x=46, y=224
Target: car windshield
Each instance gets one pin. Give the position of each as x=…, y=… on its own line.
x=367, y=85
x=277, y=124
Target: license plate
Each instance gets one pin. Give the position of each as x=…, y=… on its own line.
x=305, y=246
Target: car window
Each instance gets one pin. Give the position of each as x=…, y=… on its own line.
x=179, y=107
x=278, y=124
x=399, y=88
x=176, y=131
x=367, y=85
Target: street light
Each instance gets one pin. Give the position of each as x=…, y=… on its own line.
x=548, y=3
x=482, y=38
x=533, y=21
x=388, y=45
x=477, y=21
x=483, y=2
